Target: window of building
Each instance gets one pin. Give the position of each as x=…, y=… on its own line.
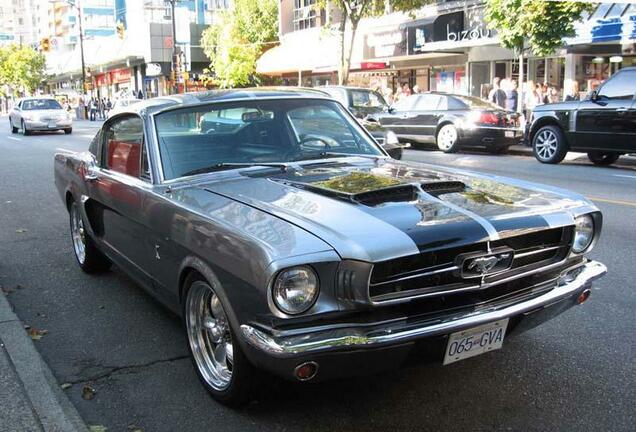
x=304, y=14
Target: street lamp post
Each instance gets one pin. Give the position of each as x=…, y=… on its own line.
x=173, y=63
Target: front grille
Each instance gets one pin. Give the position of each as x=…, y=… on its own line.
x=436, y=272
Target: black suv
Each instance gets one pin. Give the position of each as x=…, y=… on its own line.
x=603, y=125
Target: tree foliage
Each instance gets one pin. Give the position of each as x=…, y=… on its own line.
x=21, y=67
x=355, y=10
x=543, y=24
x=240, y=36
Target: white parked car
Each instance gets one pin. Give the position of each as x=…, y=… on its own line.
x=39, y=114
x=120, y=104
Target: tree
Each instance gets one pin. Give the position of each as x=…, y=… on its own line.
x=352, y=12
x=235, y=42
x=543, y=24
x=21, y=68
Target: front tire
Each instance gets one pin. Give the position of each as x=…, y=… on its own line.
x=603, y=159
x=25, y=131
x=89, y=258
x=448, y=138
x=218, y=359
x=548, y=145
x=68, y=131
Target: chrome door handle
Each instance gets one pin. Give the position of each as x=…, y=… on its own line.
x=622, y=110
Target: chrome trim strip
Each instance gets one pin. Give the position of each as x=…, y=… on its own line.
x=332, y=339
x=428, y=273
x=538, y=251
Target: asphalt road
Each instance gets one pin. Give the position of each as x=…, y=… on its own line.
x=575, y=373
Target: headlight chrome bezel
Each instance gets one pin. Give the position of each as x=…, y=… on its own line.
x=283, y=278
x=585, y=225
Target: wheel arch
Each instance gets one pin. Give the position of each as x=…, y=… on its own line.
x=547, y=121
x=443, y=122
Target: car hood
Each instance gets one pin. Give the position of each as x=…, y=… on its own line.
x=374, y=210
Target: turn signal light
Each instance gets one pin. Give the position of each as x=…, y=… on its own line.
x=306, y=371
x=584, y=296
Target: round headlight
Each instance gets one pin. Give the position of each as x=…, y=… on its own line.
x=295, y=290
x=583, y=233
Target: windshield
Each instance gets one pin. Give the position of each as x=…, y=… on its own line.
x=40, y=104
x=256, y=132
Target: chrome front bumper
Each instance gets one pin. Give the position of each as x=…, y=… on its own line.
x=343, y=338
x=45, y=125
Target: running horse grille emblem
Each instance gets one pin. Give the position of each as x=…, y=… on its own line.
x=480, y=264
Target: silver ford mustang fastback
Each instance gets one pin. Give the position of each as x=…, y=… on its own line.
x=291, y=243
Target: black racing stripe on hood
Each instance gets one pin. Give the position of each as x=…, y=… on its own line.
x=511, y=226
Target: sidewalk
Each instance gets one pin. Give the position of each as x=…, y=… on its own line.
x=30, y=397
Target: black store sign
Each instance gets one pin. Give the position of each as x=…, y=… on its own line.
x=440, y=28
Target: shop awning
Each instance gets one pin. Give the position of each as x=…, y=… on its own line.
x=306, y=51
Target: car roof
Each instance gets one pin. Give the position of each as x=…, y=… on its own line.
x=345, y=87
x=154, y=105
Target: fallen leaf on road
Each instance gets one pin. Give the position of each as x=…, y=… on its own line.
x=36, y=334
x=88, y=392
x=66, y=385
x=21, y=230
x=97, y=428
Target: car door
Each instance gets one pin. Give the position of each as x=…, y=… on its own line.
x=118, y=192
x=604, y=122
x=424, y=118
x=399, y=117
x=15, y=115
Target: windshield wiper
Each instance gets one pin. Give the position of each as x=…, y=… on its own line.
x=231, y=165
x=329, y=154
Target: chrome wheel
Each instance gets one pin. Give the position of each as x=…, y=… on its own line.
x=446, y=137
x=546, y=144
x=209, y=336
x=78, y=234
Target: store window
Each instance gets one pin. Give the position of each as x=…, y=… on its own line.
x=449, y=80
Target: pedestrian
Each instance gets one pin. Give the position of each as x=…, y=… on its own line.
x=573, y=92
x=92, y=107
x=140, y=95
x=109, y=106
x=81, y=107
x=100, y=108
x=497, y=95
x=512, y=96
x=416, y=89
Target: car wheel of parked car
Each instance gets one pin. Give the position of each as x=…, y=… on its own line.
x=13, y=128
x=221, y=365
x=600, y=158
x=549, y=145
x=25, y=131
x=68, y=131
x=447, y=138
x=89, y=258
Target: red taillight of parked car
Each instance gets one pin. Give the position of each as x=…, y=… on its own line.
x=489, y=118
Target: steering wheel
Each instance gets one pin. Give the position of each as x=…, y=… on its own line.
x=327, y=141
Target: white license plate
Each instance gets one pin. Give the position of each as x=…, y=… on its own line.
x=510, y=134
x=474, y=341
x=52, y=124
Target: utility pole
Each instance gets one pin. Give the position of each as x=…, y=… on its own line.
x=173, y=63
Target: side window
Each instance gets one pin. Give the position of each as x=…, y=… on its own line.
x=621, y=86
x=428, y=102
x=406, y=104
x=123, y=147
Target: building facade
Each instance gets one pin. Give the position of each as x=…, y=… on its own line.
x=446, y=47
x=128, y=44
x=16, y=22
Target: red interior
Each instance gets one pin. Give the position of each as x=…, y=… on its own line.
x=124, y=157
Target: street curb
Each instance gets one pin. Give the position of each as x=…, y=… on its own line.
x=519, y=150
x=51, y=405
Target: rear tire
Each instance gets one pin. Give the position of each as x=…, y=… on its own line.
x=220, y=363
x=89, y=258
x=13, y=128
x=548, y=145
x=447, y=138
x=603, y=159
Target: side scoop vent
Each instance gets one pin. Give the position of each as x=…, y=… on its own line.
x=440, y=188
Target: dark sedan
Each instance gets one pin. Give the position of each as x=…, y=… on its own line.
x=452, y=122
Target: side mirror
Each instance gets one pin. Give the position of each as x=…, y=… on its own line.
x=88, y=167
x=594, y=96
x=390, y=110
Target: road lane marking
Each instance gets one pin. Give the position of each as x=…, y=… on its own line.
x=14, y=138
x=624, y=175
x=612, y=201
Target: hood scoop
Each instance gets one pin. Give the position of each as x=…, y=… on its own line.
x=443, y=187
